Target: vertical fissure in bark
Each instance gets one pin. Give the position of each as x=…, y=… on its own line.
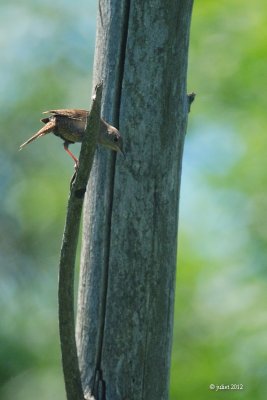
x=116, y=120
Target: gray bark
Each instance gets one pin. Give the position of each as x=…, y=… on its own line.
x=127, y=277
x=66, y=314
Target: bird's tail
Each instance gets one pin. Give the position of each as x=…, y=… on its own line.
x=49, y=127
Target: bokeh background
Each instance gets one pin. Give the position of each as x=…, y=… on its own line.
x=221, y=314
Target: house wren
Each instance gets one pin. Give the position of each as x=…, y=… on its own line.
x=70, y=126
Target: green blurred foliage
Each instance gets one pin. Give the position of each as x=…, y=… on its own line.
x=220, y=319
x=47, y=54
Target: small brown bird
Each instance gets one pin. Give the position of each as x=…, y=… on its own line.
x=70, y=126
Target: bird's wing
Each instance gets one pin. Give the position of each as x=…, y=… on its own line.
x=49, y=127
x=70, y=113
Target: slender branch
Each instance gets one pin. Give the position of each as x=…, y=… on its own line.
x=66, y=312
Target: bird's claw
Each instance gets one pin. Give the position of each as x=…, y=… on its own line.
x=76, y=167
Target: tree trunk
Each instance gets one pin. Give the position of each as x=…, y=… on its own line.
x=128, y=262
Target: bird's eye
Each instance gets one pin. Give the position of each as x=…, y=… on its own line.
x=115, y=139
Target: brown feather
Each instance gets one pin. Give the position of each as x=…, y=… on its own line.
x=72, y=114
x=49, y=127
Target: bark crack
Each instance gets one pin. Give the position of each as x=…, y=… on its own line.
x=98, y=376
